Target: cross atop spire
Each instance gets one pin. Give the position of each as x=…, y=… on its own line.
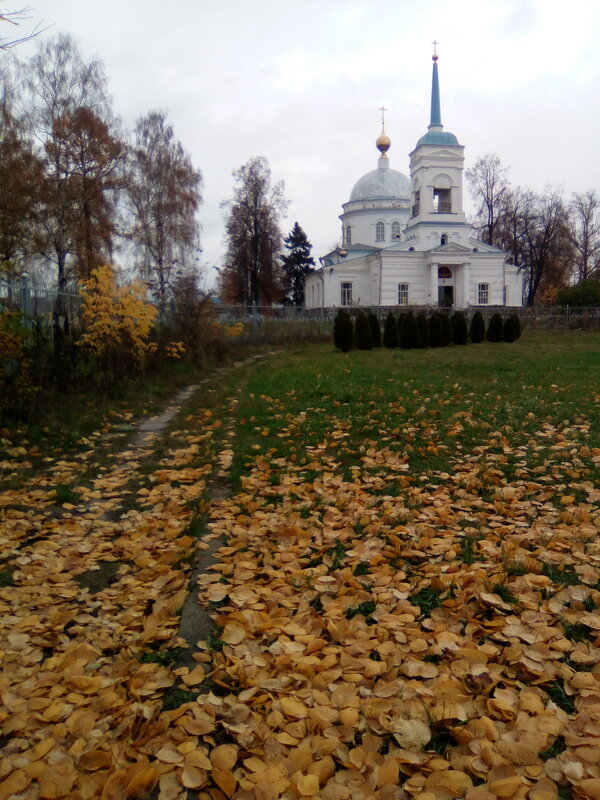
x=383, y=109
x=434, y=57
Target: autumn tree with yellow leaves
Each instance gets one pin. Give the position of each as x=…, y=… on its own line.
x=117, y=323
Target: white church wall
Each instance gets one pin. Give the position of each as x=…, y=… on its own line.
x=405, y=269
x=363, y=225
x=490, y=272
x=514, y=286
x=355, y=281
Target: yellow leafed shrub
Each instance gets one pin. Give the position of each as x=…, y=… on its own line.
x=175, y=350
x=117, y=319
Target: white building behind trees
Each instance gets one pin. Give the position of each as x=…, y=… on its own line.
x=407, y=241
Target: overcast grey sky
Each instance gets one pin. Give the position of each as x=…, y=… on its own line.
x=301, y=82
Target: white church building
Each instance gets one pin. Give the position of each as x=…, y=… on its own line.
x=408, y=242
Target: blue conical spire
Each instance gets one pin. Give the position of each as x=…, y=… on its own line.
x=435, y=133
x=436, y=112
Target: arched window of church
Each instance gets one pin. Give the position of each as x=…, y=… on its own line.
x=380, y=232
x=348, y=234
x=483, y=294
x=444, y=239
x=395, y=230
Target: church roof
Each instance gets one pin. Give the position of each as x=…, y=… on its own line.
x=382, y=183
x=438, y=137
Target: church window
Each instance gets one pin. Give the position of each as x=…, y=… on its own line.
x=348, y=234
x=346, y=298
x=444, y=239
x=483, y=294
x=380, y=232
x=403, y=294
x=395, y=230
x=444, y=272
x=442, y=203
x=417, y=204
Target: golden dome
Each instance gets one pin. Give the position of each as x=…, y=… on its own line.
x=383, y=143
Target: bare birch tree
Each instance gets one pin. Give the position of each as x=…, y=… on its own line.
x=489, y=186
x=164, y=194
x=585, y=233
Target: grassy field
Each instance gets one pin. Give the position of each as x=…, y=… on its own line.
x=432, y=406
x=407, y=603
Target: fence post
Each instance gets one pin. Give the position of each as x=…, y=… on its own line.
x=254, y=323
x=26, y=300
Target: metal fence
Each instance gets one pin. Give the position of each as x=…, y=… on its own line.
x=40, y=303
x=536, y=318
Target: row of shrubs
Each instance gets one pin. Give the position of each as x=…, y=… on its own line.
x=412, y=330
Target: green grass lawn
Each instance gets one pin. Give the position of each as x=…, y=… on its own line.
x=520, y=402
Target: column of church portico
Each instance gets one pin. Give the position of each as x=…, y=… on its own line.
x=466, y=285
x=433, y=285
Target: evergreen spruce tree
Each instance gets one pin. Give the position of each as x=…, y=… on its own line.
x=362, y=330
x=343, y=331
x=509, y=332
x=297, y=264
x=435, y=329
x=446, y=328
x=495, y=328
x=423, y=330
x=375, y=329
x=460, y=329
x=390, y=332
x=477, y=328
x=517, y=324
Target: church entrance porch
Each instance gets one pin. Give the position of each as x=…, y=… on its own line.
x=445, y=278
x=445, y=296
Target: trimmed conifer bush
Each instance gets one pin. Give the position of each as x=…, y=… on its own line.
x=375, y=329
x=477, y=328
x=343, y=331
x=403, y=334
x=517, y=323
x=390, y=331
x=495, y=328
x=446, y=330
x=423, y=330
x=435, y=330
x=409, y=331
x=508, y=330
x=362, y=332
x=460, y=329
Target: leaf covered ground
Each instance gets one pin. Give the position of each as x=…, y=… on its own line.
x=407, y=603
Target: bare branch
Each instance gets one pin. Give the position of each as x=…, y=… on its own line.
x=16, y=18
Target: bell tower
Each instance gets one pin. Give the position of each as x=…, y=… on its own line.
x=436, y=175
